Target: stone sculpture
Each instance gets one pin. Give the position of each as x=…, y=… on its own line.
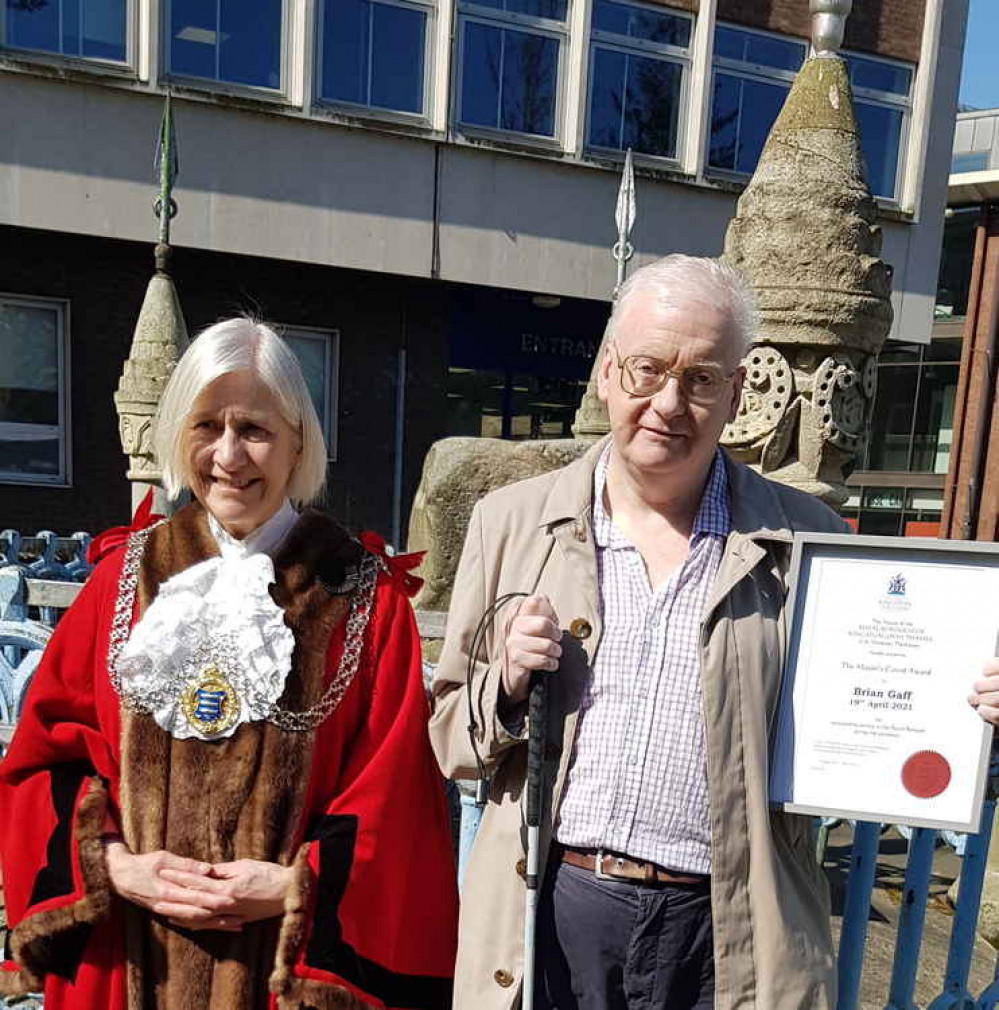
x=159, y=340
x=805, y=236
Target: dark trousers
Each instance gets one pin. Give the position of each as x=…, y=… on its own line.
x=615, y=945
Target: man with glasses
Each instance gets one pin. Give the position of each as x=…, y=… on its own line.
x=656, y=571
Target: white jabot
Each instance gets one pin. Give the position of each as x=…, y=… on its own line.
x=265, y=539
x=216, y=613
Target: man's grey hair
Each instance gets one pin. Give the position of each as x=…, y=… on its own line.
x=237, y=345
x=676, y=280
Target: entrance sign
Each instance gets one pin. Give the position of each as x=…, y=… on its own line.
x=887, y=637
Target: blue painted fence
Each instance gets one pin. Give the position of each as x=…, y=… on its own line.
x=25, y=629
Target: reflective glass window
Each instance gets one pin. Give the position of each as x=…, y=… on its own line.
x=509, y=79
x=374, y=54
x=877, y=75
x=752, y=77
x=880, y=141
x=891, y=424
x=970, y=161
x=552, y=10
x=634, y=102
x=509, y=64
x=228, y=41
x=743, y=110
x=318, y=353
x=33, y=422
x=933, y=429
x=638, y=59
x=881, y=103
x=761, y=50
x=641, y=23
x=89, y=29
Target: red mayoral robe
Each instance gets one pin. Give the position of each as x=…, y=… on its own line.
x=355, y=805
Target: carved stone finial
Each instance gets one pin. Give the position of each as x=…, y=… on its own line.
x=159, y=340
x=805, y=236
x=828, y=24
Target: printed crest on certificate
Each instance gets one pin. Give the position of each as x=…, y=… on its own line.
x=887, y=636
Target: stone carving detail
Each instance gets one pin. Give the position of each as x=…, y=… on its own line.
x=159, y=340
x=766, y=396
x=806, y=237
x=843, y=397
x=135, y=432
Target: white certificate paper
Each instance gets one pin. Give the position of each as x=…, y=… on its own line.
x=874, y=721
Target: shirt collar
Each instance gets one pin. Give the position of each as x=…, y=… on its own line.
x=713, y=516
x=265, y=539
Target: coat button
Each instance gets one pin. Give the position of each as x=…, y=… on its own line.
x=522, y=868
x=503, y=978
x=579, y=532
x=580, y=628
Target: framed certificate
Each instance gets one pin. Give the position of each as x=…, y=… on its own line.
x=886, y=637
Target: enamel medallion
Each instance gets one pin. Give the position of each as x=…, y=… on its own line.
x=210, y=702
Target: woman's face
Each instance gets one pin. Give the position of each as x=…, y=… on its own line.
x=240, y=452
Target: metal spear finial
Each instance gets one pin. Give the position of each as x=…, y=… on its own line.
x=828, y=24
x=166, y=168
x=624, y=215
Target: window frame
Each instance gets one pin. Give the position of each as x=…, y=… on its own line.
x=642, y=47
x=331, y=337
x=889, y=99
x=749, y=71
x=280, y=94
x=469, y=12
x=430, y=8
x=90, y=64
x=65, y=476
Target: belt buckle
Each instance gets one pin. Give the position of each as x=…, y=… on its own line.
x=599, y=870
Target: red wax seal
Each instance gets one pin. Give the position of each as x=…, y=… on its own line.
x=926, y=774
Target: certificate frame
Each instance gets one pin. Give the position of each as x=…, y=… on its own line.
x=787, y=764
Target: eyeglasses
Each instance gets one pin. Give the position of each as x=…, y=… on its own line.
x=643, y=375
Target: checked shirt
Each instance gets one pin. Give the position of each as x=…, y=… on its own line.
x=638, y=784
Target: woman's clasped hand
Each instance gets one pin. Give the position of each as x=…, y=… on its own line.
x=197, y=895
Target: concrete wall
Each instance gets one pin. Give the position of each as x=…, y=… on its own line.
x=79, y=159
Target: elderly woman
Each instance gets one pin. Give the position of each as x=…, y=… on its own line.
x=221, y=792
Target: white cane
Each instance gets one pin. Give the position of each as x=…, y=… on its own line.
x=537, y=724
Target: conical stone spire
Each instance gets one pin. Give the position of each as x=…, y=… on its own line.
x=159, y=340
x=805, y=237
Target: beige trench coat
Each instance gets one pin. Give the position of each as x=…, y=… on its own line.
x=769, y=898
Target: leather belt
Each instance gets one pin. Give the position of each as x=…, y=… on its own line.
x=610, y=866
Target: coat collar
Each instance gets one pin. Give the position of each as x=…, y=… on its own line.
x=757, y=512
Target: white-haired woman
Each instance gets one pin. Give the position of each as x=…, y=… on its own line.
x=221, y=792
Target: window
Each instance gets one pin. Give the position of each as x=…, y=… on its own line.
x=753, y=73
x=510, y=64
x=33, y=396
x=970, y=161
x=83, y=29
x=881, y=92
x=374, y=53
x=638, y=60
x=913, y=419
x=318, y=352
x=226, y=40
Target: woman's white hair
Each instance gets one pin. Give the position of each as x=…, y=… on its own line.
x=236, y=345
x=676, y=280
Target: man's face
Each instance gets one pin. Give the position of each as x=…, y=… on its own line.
x=666, y=433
